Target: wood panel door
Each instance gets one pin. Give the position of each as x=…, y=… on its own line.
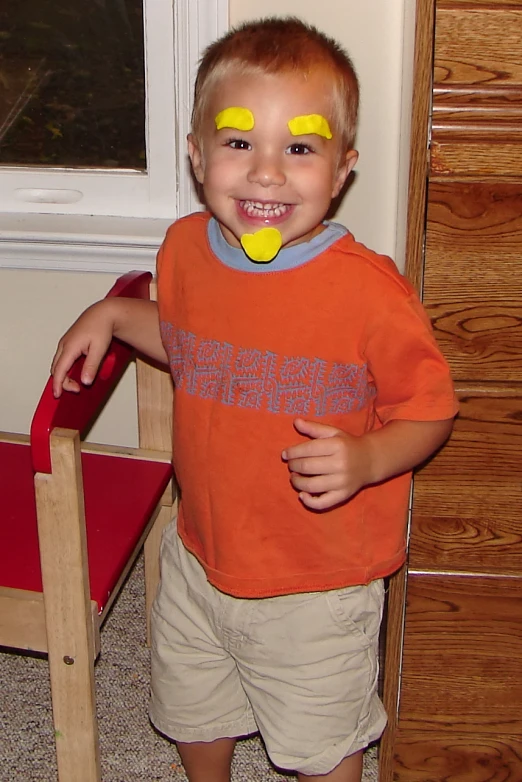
x=454, y=665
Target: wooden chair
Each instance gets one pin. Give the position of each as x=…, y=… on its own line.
x=73, y=520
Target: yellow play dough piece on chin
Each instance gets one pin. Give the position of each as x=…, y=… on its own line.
x=235, y=117
x=310, y=123
x=262, y=246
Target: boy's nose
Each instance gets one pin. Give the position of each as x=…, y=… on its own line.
x=266, y=170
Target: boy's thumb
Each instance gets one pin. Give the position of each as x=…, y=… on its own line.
x=314, y=429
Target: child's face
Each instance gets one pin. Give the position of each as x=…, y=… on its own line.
x=273, y=174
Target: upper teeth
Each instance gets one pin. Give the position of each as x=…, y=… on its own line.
x=258, y=209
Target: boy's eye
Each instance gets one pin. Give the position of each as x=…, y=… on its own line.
x=299, y=149
x=238, y=143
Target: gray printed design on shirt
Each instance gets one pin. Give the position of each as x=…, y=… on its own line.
x=263, y=380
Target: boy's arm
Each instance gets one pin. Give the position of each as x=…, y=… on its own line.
x=333, y=465
x=134, y=321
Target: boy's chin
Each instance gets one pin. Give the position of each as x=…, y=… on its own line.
x=235, y=237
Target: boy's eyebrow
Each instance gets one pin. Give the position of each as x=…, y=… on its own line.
x=235, y=117
x=310, y=123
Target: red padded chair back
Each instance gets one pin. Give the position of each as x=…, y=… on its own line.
x=77, y=411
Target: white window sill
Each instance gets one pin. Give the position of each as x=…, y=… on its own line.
x=79, y=242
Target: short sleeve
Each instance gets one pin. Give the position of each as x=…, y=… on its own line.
x=411, y=376
x=160, y=256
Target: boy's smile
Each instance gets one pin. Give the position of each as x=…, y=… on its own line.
x=269, y=176
x=268, y=213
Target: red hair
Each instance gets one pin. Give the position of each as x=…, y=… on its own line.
x=278, y=45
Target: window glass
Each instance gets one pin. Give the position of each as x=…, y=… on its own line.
x=72, y=87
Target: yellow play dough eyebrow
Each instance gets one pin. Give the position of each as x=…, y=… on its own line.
x=235, y=117
x=310, y=123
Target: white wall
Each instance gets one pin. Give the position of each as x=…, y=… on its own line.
x=36, y=307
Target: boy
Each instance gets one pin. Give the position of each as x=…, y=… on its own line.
x=307, y=386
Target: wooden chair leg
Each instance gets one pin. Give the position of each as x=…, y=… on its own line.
x=77, y=745
x=70, y=636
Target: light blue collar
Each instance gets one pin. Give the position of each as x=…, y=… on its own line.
x=287, y=258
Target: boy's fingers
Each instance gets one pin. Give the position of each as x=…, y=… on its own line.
x=314, y=484
x=71, y=385
x=63, y=362
x=312, y=448
x=61, y=381
x=93, y=358
x=59, y=373
x=323, y=441
x=60, y=365
x=314, y=428
x=309, y=466
x=89, y=370
x=321, y=501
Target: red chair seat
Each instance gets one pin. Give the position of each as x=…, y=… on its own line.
x=120, y=497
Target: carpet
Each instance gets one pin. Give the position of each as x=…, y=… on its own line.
x=131, y=750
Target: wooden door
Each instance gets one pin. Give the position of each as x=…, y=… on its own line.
x=455, y=704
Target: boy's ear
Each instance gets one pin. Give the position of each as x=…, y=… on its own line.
x=196, y=157
x=345, y=166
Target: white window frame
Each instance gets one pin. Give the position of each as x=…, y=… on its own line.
x=109, y=220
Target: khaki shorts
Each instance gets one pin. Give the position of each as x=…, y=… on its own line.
x=300, y=669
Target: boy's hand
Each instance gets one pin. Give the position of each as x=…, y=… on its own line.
x=330, y=467
x=135, y=321
x=333, y=465
x=89, y=336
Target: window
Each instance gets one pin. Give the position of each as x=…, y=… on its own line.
x=73, y=84
x=94, y=166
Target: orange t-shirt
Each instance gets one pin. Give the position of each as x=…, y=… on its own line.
x=341, y=339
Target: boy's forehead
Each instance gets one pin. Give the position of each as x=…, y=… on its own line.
x=290, y=97
x=247, y=90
